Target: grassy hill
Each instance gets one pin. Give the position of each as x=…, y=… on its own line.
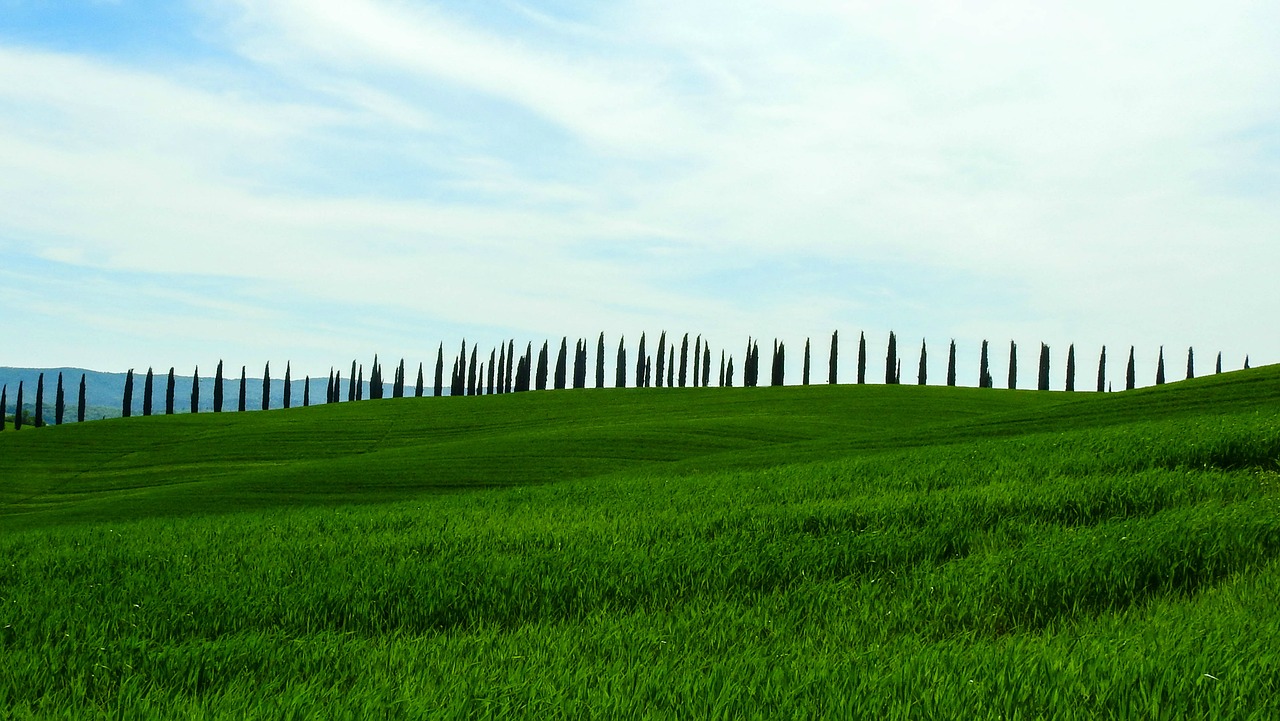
x=848, y=551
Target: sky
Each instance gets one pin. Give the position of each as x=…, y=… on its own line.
x=183, y=181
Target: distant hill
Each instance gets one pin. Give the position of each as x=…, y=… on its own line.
x=104, y=392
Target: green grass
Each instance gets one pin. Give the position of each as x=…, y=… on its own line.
x=859, y=552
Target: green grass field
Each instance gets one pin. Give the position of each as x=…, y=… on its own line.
x=800, y=552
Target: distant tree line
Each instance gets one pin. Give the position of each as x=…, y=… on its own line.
x=506, y=371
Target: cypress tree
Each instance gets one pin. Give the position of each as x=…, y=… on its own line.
x=1013, y=365
x=523, y=380
x=59, y=404
x=360, y=383
x=242, y=403
x=661, y=356
x=671, y=366
x=951, y=364
x=495, y=380
x=306, y=391
x=755, y=364
x=722, y=369
x=1102, y=369
x=1071, y=367
x=337, y=386
x=1160, y=368
x=897, y=375
x=580, y=364
x=195, y=391
x=540, y=379
x=266, y=386
x=1043, y=380
x=511, y=352
x=169, y=388
x=502, y=369
x=600, y=361
x=438, y=388
x=862, y=358
x=1246, y=362
x=420, y=386
x=126, y=409
x=728, y=374
x=642, y=360
x=891, y=360
x=684, y=360
x=1130, y=376
x=148, y=386
x=453, y=380
x=620, y=367
x=1191, y=364
x=779, y=363
x=831, y=361
x=648, y=372
x=697, y=361
x=217, y=388
x=4, y=405
x=80, y=410
x=288, y=384
x=562, y=361
x=984, y=369
x=471, y=373
x=804, y=374
x=746, y=366
x=706, y=364
x=17, y=410
x=351, y=382
x=40, y=401
x=1218, y=367
x=398, y=391
x=922, y=376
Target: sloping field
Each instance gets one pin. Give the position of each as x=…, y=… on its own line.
x=837, y=552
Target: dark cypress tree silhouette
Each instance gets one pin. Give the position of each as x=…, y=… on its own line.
x=80, y=407
x=17, y=410
x=804, y=374
x=480, y=384
x=217, y=389
x=1130, y=375
x=984, y=369
x=288, y=385
x=148, y=387
x=493, y=379
x=126, y=408
x=831, y=360
x=642, y=359
x=706, y=364
x=891, y=360
x=1191, y=363
x=779, y=363
x=951, y=364
x=59, y=404
x=243, y=399
x=351, y=383
x=502, y=369
x=195, y=391
x=922, y=376
x=661, y=357
x=1043, y=381
x=453, y=380
x=684, y=360
x=511, y=351
x=562, y=364
x=360, y=382
x=1102, y=369
x=420, y=386
x=580, y=364
x=1160, y=368
x=862, y=358
x=471, y=373
x=169, y=388
x=398, y=390
x=671, y=366
x=1071, y=367
x=620, y=367
x=40, y=401
x=648, y=372
x=755, y=365
x=540, y=379
x=438, y=388
x=697, y=361
x=1013, y=365
x=728, y=374
x=527, y=377
x=600, y=361
x=266, y=386
x=4, y=405
x=1246, y=362
x=722, y=369
x=897, y=374
x=1218, y=367
x=375, y=379
x=337, y=386
x=306, y=391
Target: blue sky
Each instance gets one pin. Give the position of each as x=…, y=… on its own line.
x=316, y=181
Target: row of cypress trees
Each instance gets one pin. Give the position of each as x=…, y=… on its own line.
x=59, y=405
x=505, y=372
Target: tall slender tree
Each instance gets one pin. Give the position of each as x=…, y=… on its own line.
x=242, y=398
x=684, y=360
x=642, y=360
x=831, y=360
x=984, y=368
x=40, y=401
x=1218, y=367
x=951, y=364
x=288, y=384
x=502, y=369
x=195, y=391
x=1246, y=362
x=722, y=369
x=80, y=407
x=862, y=357
x=126, y=408
x=1071, y=367
x=1013, y=365
x=494, y=378
x=661, y=357
x=706, y=364
x=755, y=365
x=1191, y=363
x=697, y=361
x=562, y=364
x=351, y=381
x=891, y=360
x=1102, y=369
x=671, y=366
x=59, y=404
x=471, y=372
x=148, y=387
x=218, y=388
x=648, y=372
x=1130, y=375
x=540, y=379
x=511, y=351
x=1043, y=381
x=170, y=387
x=580, y=364
x=804, y=373
x=922, y=376
x=600, y=361
x=437, y=389
x=420, y=386
x=4, y=404
x=779, y=363
x=398, y=391
x=728, y=374
x=620, y=366
x=17, y=410
x=337, y=387
x=360, y=382
x=1160, y=368
x=266, y=386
